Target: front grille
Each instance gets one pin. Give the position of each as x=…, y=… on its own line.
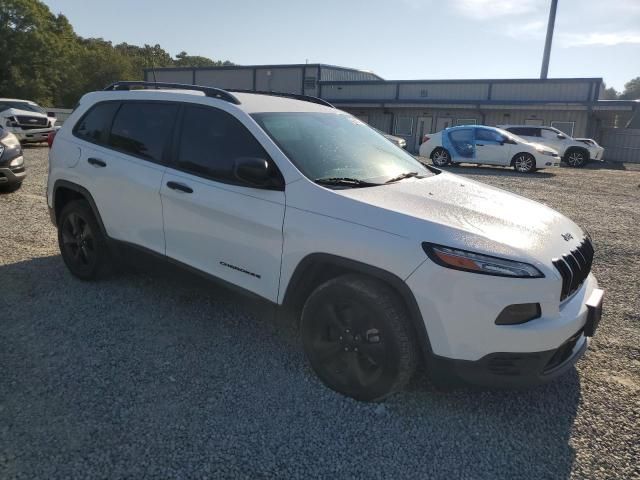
x=574, y=267
x=33, y=122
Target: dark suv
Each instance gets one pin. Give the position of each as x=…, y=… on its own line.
x=12, y=171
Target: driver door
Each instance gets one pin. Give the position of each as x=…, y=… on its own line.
x=212, y=221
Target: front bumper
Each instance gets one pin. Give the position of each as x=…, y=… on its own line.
x=511, y=370
x=27, y=136
x=597, y=154
x=459, y=310
x=12, y=176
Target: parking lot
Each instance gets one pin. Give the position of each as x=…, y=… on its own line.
x=156, y=373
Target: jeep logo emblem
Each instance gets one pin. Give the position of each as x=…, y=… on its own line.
x=567, y=236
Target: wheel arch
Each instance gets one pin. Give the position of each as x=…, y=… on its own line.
x=439, y=147
x=317, y=268
x=513, y=159
x=64, y=192
x=573, y=148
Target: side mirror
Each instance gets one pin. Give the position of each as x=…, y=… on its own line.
x=255, y=171
x=561, y=136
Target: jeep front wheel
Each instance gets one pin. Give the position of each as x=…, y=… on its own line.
x=357, y=337
x=576, y=158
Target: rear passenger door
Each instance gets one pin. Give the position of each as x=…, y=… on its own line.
x=214, y=222
x=122, y=161
x=460, y=144
x=490, y=147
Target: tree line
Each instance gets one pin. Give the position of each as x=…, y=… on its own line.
x=42, y=59
x=631, y=91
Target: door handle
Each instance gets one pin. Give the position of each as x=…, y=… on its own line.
x=179, y=186
x=96, y=162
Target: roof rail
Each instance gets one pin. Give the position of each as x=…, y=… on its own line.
x=295, y=96
x=208, y=91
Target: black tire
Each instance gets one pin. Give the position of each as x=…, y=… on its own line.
x=11, y=188
x=82, y=245
x=440, y=157
x=357, y=337
x=576, y=157
x=524, y=163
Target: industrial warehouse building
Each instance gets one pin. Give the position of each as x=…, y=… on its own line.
x=412, y=108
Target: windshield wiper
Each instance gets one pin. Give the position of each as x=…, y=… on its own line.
x=402, y=177
x=345, y=181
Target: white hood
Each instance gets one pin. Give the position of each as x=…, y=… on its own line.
x=469, y=215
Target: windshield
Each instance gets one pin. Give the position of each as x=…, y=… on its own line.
x=6, y=105
x=330, y=145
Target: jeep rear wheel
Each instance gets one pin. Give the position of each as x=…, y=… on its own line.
x=357, y=337
x=82, y=245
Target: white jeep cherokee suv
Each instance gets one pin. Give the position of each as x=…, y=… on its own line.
x=384, y=260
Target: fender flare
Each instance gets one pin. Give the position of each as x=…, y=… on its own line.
x=303, y=280
x=84, y=193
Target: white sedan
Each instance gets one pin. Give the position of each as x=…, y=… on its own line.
x=486, y=146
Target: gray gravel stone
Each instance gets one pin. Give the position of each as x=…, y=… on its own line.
x=157, y=374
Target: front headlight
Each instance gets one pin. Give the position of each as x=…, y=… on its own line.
x=478, y=263
x=17, y=162
x=546, y=152
x=10, y=141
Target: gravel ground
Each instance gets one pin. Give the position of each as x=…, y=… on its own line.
x=155, y=373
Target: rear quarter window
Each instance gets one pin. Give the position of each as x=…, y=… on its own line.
x=95, y=124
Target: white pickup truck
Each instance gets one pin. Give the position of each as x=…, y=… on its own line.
x=26, y=120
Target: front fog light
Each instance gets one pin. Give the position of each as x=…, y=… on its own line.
x=17, y=162
x=519, y=313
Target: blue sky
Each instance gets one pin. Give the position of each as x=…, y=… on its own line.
x=397, y=39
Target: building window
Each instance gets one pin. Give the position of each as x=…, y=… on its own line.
x=309, y=83
x=424, y=92
x=466, y=121
x=566, y=127
x=404, y=126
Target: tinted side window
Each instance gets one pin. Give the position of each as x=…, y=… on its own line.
x=210, y=142
x=143, y=129
x=525, y=131
x=488, y=135
x=95, y=124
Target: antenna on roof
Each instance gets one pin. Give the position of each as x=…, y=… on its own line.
x=153, y=69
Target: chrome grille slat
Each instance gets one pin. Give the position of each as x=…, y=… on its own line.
x=574, y=267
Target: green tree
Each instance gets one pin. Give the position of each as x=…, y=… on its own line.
x=183, y=59
x=35, y=48
x=42, y=59
x=631, y=90
x=609, y=93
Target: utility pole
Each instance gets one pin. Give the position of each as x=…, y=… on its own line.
x=547, y=44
